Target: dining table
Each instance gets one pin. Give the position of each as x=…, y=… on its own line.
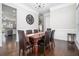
x=36, y=37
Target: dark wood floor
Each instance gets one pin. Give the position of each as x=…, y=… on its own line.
x=62, y=48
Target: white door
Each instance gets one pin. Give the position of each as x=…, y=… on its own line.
x=77, y=24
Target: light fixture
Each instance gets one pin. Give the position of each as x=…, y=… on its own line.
x=39, y=5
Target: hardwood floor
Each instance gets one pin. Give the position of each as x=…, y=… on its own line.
x=62, y=48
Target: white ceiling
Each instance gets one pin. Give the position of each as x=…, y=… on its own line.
x=42, y=9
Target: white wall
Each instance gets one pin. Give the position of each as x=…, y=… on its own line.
x=21, y=20
x=46, y=21
x=0, y=24
x=22, y=11
x=63, y=20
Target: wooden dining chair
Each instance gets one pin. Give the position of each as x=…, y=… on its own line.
x=44, y=42
x=35, y=30
x=24, y=45
x=28, y=31
x=52, y=39
x=47, y=39
x=48, y=29
x=30, y=39
x=49, y=32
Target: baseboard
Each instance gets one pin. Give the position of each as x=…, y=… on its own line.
x=61, y=39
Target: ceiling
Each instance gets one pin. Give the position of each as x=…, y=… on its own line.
x=45, y=7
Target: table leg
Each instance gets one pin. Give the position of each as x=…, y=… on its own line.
x=36, y=47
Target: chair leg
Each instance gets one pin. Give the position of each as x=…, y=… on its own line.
x=53, y=45
x=50, y=45
x=23, y=52
x=19, y=52
x=32, y=50
x=44, y=51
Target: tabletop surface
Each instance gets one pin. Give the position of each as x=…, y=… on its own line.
x=36, y=35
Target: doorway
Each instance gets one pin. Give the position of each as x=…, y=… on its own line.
x=9, y=18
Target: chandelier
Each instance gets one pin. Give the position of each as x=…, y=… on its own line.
x=40, y=5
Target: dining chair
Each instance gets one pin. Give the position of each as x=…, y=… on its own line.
x=28, y=31
x=48, y=29
x=36, y=30
x=49, y=32
x=47, y=39
x=52, y=39
x=44, y=42
x=30, y=39
x=24, y=44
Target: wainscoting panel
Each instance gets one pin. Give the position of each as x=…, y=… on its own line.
x=61, y=34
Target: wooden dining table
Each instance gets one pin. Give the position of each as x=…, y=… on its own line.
x=36, y=37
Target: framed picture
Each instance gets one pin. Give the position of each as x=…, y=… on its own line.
x=30, y=19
